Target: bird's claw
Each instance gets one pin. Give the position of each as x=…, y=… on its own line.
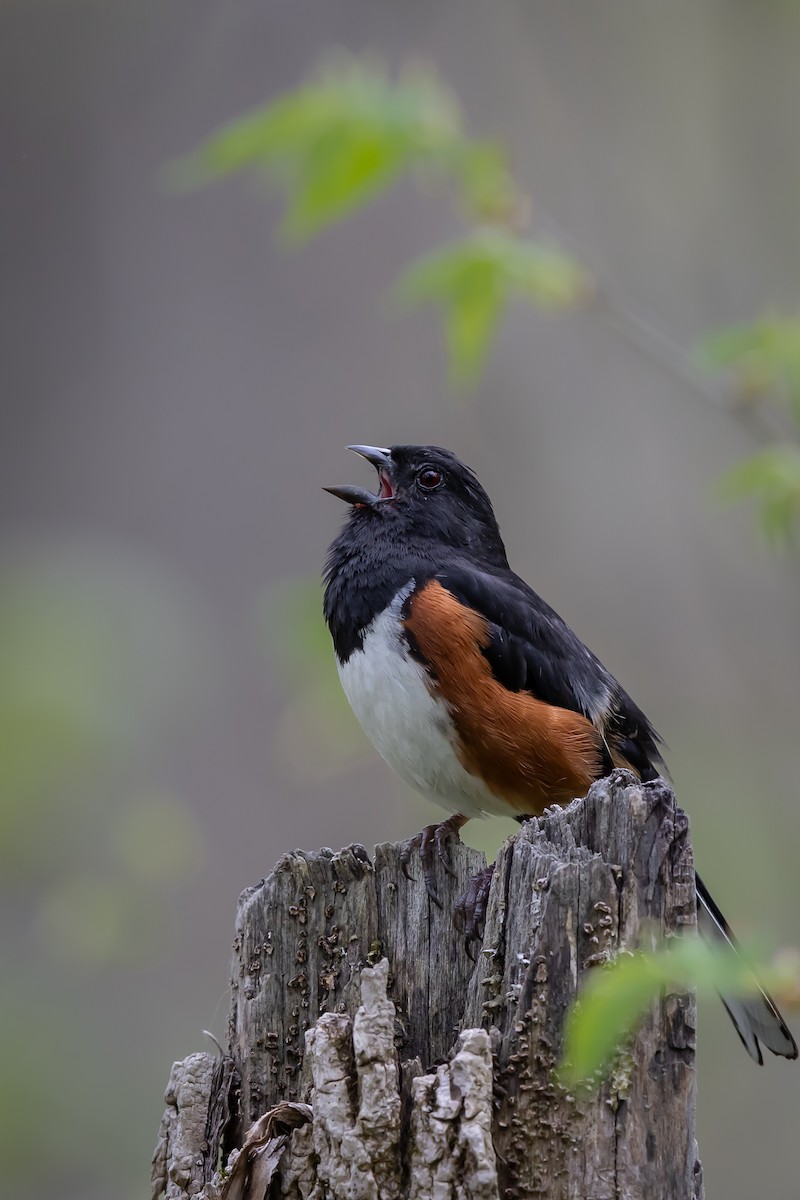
x=469, y=914
x=407, y=848
x=431, y=843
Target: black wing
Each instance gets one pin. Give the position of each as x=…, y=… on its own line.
x=531, y=648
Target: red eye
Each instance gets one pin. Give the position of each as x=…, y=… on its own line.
x=429, y=478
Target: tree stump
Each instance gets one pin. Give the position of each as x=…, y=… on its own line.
x=371, y=1059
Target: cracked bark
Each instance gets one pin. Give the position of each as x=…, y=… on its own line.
x=428, y=1075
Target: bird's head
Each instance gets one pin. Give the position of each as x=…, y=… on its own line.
x=425, y=495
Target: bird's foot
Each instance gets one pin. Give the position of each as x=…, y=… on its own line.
x=430, y=843
x=469, y=914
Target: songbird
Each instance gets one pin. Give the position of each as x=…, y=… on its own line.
x=468, y=684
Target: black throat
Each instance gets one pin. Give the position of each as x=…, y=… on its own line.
x=365, y=570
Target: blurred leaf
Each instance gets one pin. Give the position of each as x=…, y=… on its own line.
x=474, y=279
x=348, y=168
x=347, y=135
x=616, y=996
x=764, y=357
x=772, y=478
x=489, y=193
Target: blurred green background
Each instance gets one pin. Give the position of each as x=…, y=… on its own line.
x=178, y=385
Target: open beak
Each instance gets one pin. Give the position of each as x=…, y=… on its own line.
x=382, y=461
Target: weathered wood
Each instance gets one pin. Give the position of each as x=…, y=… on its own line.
x=575, y=888
x=302, y=935
x=193, y=1129
x=429, y=1075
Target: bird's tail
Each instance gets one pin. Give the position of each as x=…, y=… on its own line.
x=755, y=1018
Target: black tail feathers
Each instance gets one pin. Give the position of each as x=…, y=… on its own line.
x=755, y=1018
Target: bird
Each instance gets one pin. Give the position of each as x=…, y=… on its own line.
x=470, y=686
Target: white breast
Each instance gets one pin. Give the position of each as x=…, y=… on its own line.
x=408, y=726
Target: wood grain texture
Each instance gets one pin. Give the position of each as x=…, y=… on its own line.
x=572, y=889
x=575, y=888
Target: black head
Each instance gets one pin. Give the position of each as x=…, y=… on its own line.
x=426, y=498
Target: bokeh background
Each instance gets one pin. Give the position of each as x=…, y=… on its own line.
x=176, y=388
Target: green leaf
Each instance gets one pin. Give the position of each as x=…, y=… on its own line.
x=345, y=170
x=470, y=321
x=473, y=280
x=547, y=276
x=349, y=134
x=772, y=477
x=271, y=134
x=615, y=997
x=488, y=190
x=763, y=356
x=346, y=136
x=339, y=140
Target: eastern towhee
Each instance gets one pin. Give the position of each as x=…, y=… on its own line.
x=469, y=685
